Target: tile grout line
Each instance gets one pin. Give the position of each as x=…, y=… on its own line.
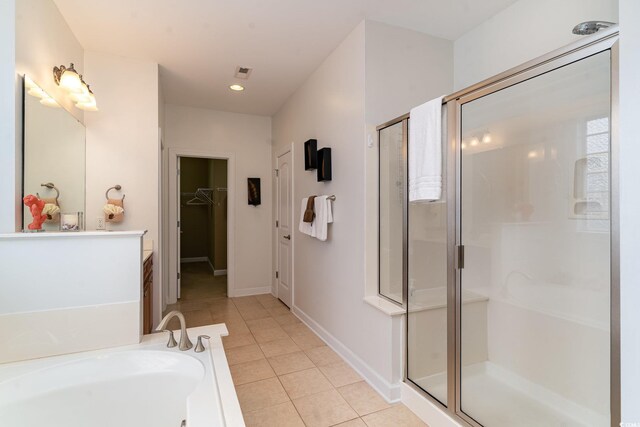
x=333, y=387
x=261, y=305
x=276, y=375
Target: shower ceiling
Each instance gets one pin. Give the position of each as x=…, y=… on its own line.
x=199, y=43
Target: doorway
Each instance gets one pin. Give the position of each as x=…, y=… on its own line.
x=201, y=224
x=284, y=228
x=202, y=228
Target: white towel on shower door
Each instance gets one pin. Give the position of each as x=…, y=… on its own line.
x=425, y=151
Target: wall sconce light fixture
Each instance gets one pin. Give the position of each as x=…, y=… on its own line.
x=36, y=91
x=79, y=92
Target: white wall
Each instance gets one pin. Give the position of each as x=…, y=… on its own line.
x=73, y=297
x=329, y=276
x=44, y=40
x=521, y=32
x=404, y=68
x=248, y=137
x=629, y=205
x=123, y=148
x=377, y=73
x=10, y=157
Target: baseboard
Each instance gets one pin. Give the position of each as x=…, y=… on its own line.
x=251, y=291
x=390, y=392
x=219, y=272
x=194, y=259
x=427, y=411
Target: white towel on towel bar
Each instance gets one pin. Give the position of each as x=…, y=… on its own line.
x=425, y=151
x=324, y=217
x=305, y=227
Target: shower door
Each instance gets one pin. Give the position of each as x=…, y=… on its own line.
x=391, y=209
x=534, y=222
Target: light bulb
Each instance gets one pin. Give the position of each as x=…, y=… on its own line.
x=30, y=84
x=49, y=102
x=474, y=142
x=80, y=97
x=237, y=88
x=89, y=105
x=486, y=138
x=83, y=96
x=70, y=80
x=37, y=92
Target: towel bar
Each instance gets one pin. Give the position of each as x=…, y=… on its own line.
x=115, y=187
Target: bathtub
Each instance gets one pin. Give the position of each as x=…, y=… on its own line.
x=146, y=384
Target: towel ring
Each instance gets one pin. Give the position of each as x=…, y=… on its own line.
x=51, y=186
x=115, y=187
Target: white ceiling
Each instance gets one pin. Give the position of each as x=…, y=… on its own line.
x=199, y=43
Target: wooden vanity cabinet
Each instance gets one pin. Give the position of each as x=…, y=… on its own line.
x=147, y=296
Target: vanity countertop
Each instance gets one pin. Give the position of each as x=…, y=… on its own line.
x=71, y=234
x=146, y=254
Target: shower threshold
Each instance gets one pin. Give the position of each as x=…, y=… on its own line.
x=496, y=397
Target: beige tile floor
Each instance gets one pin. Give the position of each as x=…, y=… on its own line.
x=283, y=373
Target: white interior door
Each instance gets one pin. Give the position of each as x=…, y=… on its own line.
x=284, y=225
x=178, y=231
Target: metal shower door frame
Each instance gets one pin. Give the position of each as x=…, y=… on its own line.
x=600, y=42
x=404, y=121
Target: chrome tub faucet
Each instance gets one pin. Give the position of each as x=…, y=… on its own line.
x=185, y=343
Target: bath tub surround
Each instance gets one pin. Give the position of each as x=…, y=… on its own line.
x=83, y=293
x=146, y=384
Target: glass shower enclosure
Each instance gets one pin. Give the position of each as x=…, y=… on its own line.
x=512, y=277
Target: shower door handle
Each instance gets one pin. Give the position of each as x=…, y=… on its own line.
x=288, y=237
x=460, y=257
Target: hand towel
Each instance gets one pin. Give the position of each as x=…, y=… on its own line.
x=305, y=227
x=114, y=210
x=324, y=217
x=425, y=151
x=309, y=213
x=51, y=210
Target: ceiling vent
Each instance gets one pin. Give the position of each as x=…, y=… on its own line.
x=243, y=72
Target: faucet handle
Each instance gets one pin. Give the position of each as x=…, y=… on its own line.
x=199, y=345
x=172, y=341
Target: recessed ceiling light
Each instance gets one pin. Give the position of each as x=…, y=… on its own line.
x=237, y=88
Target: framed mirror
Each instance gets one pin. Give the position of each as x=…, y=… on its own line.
x=53, y=156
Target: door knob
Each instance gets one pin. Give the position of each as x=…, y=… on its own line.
x=288, y=237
